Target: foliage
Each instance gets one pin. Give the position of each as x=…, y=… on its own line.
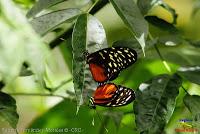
x=163, y=76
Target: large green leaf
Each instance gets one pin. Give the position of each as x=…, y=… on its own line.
x=96, y=39
x=191, y=73
x=8, y=109
x=47, y=22
x=79, y=42
x=193, y=104
x=130, y=14
x=88, y=36
x=155, y=103
x=40, y=5
x=18, y=38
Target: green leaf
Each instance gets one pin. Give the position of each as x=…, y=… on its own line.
x=96, y=39
x=191, y=73
x=132, y=43
x=162, y=24
x=169, y=8
x=66, y=50
x=8, y=109
x=88, y=36
x=96, y=35
x=116, y=116
x=196, y=7
x=194, y=42
x=49, y=21
x=79, y=42
x=40, y=5
x=18, y=38
x=155, y=103
x=192, y=102
x=146, y=5
x=130, y=14
x=181, y=54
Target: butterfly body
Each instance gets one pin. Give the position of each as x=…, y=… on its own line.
x=106, y=64
x=111, y=95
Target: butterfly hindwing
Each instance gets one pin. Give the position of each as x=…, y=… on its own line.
x=111, y=95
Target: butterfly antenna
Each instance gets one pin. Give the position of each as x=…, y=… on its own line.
x=101, y=120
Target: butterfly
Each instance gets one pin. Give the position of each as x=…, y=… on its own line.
x=111, y=95
x=107, y=63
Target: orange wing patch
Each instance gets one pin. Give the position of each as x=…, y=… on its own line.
x=98, y=72
x=104, y=93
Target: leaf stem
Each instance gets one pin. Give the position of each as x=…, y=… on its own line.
x=59, y=86
x=92, y=6
x=38, y=94
x=184, y=89
x=161, y=57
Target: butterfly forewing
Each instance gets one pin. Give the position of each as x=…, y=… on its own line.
x=107, y=63
x=111, y=95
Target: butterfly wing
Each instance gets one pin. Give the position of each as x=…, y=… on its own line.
x=111, y=95
x=107, y=63
x=123, y=96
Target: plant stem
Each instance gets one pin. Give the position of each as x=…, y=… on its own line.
x=38, y=94
x=160, y=56
x=184, y=89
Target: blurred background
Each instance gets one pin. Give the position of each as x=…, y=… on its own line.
x=51, y=111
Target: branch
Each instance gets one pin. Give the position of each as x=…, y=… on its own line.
x=38, y=94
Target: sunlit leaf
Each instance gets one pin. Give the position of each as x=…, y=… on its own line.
x=47, y=22
x=96, y=35
x=96, y=40
x=40, y=5
x=18, y=38
x=155, y=103
x=88, y=35
x=193, y=104
x=191, y=73
x=8, y=109
x=130, y=14
x=146, y=5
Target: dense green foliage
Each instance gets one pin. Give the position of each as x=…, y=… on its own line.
x=44, y=43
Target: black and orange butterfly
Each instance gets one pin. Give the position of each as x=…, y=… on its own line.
x=111, y=95
x=106, y=64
